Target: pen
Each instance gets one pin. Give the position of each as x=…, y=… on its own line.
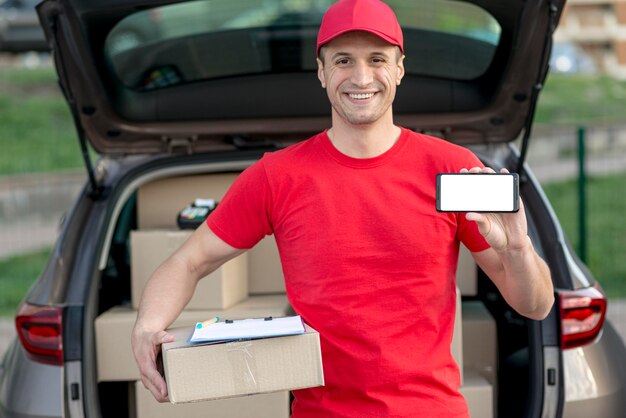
x=207, y=322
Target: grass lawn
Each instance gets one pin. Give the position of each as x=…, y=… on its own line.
x=580, y=100
x=606, y=229
x=17, y=274
x=35, y=124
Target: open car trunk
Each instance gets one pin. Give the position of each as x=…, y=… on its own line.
x=493, y=345
x=474, y=71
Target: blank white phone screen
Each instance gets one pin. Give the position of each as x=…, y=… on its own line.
x=477, y=192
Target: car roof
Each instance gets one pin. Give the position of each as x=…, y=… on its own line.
x=465, y=81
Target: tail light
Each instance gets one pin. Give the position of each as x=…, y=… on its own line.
x=40, y=331
x=582, y=315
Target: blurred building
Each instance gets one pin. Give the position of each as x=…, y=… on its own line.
x=598, y=29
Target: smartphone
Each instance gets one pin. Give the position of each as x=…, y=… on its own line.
x=481, y=192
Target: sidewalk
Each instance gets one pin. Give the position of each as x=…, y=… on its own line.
x=31, y=208
x=7, y=333
x=549, y=172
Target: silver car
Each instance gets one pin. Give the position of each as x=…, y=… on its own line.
x=178, y=115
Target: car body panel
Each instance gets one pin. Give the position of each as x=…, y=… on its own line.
x=28, y=388
x=595, y=385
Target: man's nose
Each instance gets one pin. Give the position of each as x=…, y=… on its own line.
x=362, y=75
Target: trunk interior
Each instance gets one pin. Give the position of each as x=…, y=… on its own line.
x=490, y=339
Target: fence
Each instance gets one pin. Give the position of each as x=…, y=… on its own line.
x=553, y=152
x=583, y=171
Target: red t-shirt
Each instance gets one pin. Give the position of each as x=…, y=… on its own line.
x=369, y=263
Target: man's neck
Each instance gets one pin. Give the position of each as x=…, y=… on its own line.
x=363, y=141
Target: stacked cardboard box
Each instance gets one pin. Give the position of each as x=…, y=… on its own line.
x=221, y=289
x=115, y=362
x=115, y=359
x=456, y=347
x=466, y=273
x=478, y=394
x=274, y=405
x=159, y=201
x=249, y=286
x=476, y=332
x=480, y=355
x=480, y=340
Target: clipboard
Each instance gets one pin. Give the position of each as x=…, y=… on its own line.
x=245, y=329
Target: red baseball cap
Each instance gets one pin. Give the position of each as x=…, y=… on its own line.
x=372, y=16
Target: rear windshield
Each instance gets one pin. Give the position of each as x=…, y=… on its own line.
x=210, y=39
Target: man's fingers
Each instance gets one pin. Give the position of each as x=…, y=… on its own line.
x=147, y=349
x=153, y=380
x=476, y=217
x=484, y=226
x=472, y=216
x=156, y=385
x=478, y=170
x=161, y=337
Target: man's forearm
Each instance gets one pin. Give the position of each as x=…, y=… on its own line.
x=527, y=282
x=165, y=295
x=172, y=285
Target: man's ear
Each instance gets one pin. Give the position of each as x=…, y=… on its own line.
x=400, y=74
x=320, y=72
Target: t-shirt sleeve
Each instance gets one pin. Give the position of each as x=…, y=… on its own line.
x=469, y=235
x=242, y=218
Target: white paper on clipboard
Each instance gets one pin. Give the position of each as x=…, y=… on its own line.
x=248, y=329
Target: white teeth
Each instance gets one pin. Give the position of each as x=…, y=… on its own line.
x=361, y=95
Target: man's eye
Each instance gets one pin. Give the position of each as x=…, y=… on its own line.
x=378, y=60
x=342, y=61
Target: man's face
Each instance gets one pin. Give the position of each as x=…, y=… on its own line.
x=360, y=72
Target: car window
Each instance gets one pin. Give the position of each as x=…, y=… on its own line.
x=210, y=39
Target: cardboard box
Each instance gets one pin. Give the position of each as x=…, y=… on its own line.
x=257, y=306
x=456, y=348
x=159, y=201
x=478, y=394
x=271, y=405
x=466, y=273
x=221, y=289
x=213, y=371
x=480, y=344
x=265, y=273
x=113, y=328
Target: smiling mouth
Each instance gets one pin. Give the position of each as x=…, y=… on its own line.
x=361, y=96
